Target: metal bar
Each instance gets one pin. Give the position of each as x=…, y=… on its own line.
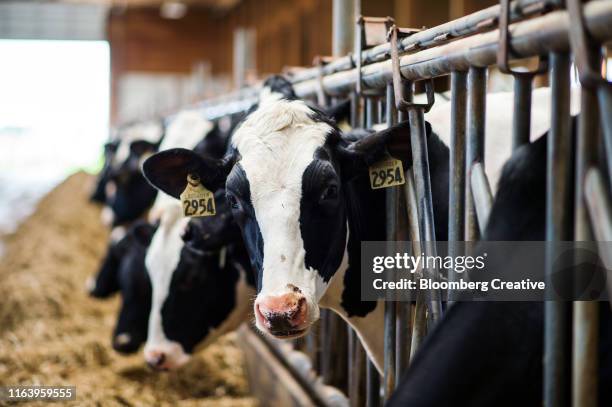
x=420, y=167
x=456, y=194
x=324, y=361
x=600, y=212
x=481, y=193
x=419, y=326
x=558, y=312
x=529, y=38
x=604, y=95
x=356, y=370
x=343, y=27
x=369, y=113
x=403, y=334
x=357, y=356
x=390, y=306
x=373, y=385
x=475, y=132
x=521, y=122
x=585, y=314
x=372, y=376
x=403, y=338
x=470, y=24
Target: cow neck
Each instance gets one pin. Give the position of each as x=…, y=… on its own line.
x=368, y=327
x=365, y=211
x=242, y=311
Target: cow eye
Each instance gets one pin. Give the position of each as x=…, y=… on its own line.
x=233, y=201
x=188, y=233
x=330, y=193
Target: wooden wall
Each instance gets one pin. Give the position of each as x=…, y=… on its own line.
x=288, y=33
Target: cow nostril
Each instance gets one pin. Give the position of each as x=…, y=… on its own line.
x=123, y=339
x=157, y=361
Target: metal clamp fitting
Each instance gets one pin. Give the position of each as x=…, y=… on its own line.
x=582, y=43
x=320, y=62
x=504, y=45
x=398, y=86
x=372, y=31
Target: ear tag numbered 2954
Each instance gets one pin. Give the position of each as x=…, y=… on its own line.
x=196, y=199
x=386, y=173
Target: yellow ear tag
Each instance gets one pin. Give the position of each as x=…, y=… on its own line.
x=386, y=173
x=197, y=200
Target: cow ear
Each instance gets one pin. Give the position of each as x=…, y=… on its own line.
x=363, y=147
x=168, y=170
x=143, y=232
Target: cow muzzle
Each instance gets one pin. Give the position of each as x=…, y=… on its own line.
x=167, y=356
x=284, y=316
x=126, y=343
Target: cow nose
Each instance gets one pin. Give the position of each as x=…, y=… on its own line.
x=156, y=360
x=284, y=314
x=125, y=343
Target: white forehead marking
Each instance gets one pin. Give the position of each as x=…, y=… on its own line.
x=267, y=95
x=276, y=144
x=186, y=130
x=148, y=131
x=162, y=259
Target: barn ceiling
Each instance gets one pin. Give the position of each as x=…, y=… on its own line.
x=214, y=4
x=83, y=19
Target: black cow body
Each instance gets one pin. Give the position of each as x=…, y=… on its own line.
x=123, y=270
x=491, y=353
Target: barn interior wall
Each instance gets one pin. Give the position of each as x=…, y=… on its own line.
x=288, y=33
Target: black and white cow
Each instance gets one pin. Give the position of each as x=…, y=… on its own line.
x=123, y=270
x=202, y=284
x=128, y=195
x=99, y=193
x=491, y=353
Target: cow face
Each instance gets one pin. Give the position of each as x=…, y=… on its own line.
x=285, y=194
x=129, y=195
x=123, y=270
x=199, y=294
x=99, y=193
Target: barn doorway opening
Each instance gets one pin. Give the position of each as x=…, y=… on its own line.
x=54, y=117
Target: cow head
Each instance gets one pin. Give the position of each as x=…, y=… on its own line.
x=128, y=195
x=123, y=270
x=288, y=184
x=200, y=287
x=99, y=193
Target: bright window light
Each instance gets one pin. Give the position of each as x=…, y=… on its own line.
x=54, y=113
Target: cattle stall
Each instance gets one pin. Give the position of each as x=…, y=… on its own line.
x=387, y=66
x=387, y=70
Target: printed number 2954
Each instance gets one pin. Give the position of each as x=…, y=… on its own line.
x=198, y=207
x=386, y=177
